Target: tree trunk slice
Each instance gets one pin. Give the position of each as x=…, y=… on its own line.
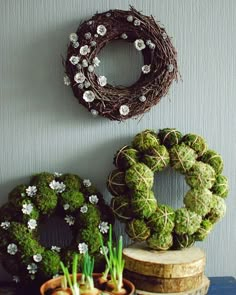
x=164, y=264
x=163, y=285
x=201, y=290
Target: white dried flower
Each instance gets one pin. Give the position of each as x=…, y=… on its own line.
x=146, y=69
x=130, y=18
x=102, y=81
x=73, y=37
x=15, y=279
x=69, y=219
x=124, y=36
x=37, y=257
x=104, y=249
x=96, y=35
x=23, y=194
x=87, y=183
x=27, y=209
x=57, y=174
x=84, y=209
x=137, y=22
x=148, y=42
x=84, y=50
x=94, y=112
x=31, y=191
x=124, y=110
x=32, y=268
x=88, y=96
x=103, y=227
x=81, y=85
x=66, y=206
x=142, y=98
x=12, y=249
x=96, y=61
x=84, y=63
x=152, y=46
x=74, y=59
x=108, y=14
x=93, y=43
x=101, y=30
x=56, y=249
x=90, y=22
x=87, y=36
x=79, y=77
x=32, y=277
x=75, y=44
x=87, y=84
x=170, y=68
x=90, y=68
x=57, y=186
x=93, y=199
x=83, y=248
x=5, y=225
x=164, y=35
x=79, y=66
x=139, y=44
x=66, y=80
x=32, y=224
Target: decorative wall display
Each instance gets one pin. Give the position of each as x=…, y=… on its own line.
x=134, y=202
x=94, y=92
x=68, y=196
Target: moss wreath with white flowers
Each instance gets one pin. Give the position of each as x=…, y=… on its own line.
x=76, y=200
x=94, y=92
x=134, y=203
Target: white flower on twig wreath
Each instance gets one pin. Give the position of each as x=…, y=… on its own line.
x=73, y=37
x=74, y=60
x=84, y=209
x=89, y=96
x=66, y=80
x=139, y=44
x=124, y=110
x=66, y=206
x=15, y=279
x=87, y=84
x=83, y=248
x=87, y=183
x=69, y=219
x=32, y=224
x=31, y=191
x=146, y=69
x=101, y=30
x=5, y=225
x=94, y=112
x=84, y=63
x=37, y=257
x=12, y=249
x=103, y=227
x=79, y=77
x=27, y=209
x=142, y=98
x=57, y=186
x=96, y=61
x=102, y=81
x=93, y=199
x=56, y=249
x=84, y=50
x=87, y=35
x=32, y=268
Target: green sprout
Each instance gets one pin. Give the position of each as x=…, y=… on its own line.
x=87, y=271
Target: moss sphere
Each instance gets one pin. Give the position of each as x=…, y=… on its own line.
x=90, y=236
x=116, y=183
x=198, y=200
x=91, y=216
x=182, y=157
x=160, y=241
x=221, y=186
x=16, y=195
x=72, y=182
x=45, y=199
x=218, y=209
x=157, y=158
x=137, y=230
x=126, y=157
x=145, y=141
x=139, y=177
x=163, y=219
x=196, y=142
x=214, y=159
x=204, y=230
x=143, y=204
x=74, y=199
x=183, y=241
x=186, y=221
x=42, y=178
x=50, y=264
x=169, y=136
x=121, y=206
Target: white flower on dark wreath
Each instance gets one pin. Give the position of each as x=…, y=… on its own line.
x=32, y=224
x=87, y=84
x=56, y=249
x=170, y=68
x=31, y=191
x=124, y=110
x=124, y=36
x=84, y=50
x=69, y=219
x=103, y=227
x=94, y=112
x=93, y=43
x=57, y=186
x=137, y=22
x=130, y=18
x=96, y=61
x=146, y=69
x=104, y=249
x=87, y=182
x=164, y=35
x=5, y=225
x=84, y=63
x=37, y=257
x=90, y=68
x=102, y=81
x=142, y=98
x=89, y=96
x=27, y=209
x=84, y=209
x=87, y=35
x=81, y=85
x=139, y=44
x=83, y=248
x=66, y=80
x=152, y=46
x=66, y=206
x=73, y=37
x=79, y=78
x=101, y=30
x=74, y=60
x=12, y=249
x=93, y=199
x=16, y=279
x=75, y=44
x=32, y=268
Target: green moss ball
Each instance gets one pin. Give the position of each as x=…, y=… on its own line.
x=201, y=175
x=50, y=264
x=90, y=236
x=218, y=209
x=182, y=241
x=43, y=178
x=45, y=200
x=186, y=221
x=214, y=159
x=74, y=199
x=72, y=182
x=196, y=142
x=137, y=230
x=126, y=157
x=198, y=200
x=116, y=183
x=221, y=186
x=145, y=140
x=182, y=157
x=143, y=204
x=139, y=177
x=163, y=219
x=160, y=241
x=16, y=195
x=169, y=136
x=157, y=158
x=91, y=216
x=204, y=230
x=121, y=206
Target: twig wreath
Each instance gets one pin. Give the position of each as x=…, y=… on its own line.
x=134, y=202
x=76, y=200
x=94, y=92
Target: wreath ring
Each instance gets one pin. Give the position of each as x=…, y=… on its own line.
x=134, y=203
x=93, y=92
x=67, y=196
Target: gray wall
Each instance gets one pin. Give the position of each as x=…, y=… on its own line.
x=43, y=128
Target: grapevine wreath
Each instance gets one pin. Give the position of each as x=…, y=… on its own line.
x=77, y=201
x=134, y=203
x=94, y=92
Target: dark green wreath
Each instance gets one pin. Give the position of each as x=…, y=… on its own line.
x=76, y=200
x=134, y=202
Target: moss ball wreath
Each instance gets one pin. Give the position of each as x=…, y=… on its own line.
x=94, y=92
x=76, y=200
x=134, y=202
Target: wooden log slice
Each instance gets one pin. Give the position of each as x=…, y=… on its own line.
x=164, y=264
x=163, y=285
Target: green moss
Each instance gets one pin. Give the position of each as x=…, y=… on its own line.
x=182, y=157
x=74, y=199
x=43, y=178
x=45, y=200
x=198, y=200
x=50, y=264
x=92, y=216
x=145, y=140
x=121, y=206
x=116, y=183
x=139, y=177
x=72, y=182
x=91, y=190
x=157, y=158
x=16, y=195
x=163, y=219
x=90, y=236
x=169, y=137
x=182, y=241
x=218, y=209
x=221, y=186
x=214, y=159
x=160, y=241
x=204, y=230
x=143, y=204
x=186, y=222
x=126, y=157
x=137, y=230
x=196, y=142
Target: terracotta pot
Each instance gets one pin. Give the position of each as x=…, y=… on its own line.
x=56, y=283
